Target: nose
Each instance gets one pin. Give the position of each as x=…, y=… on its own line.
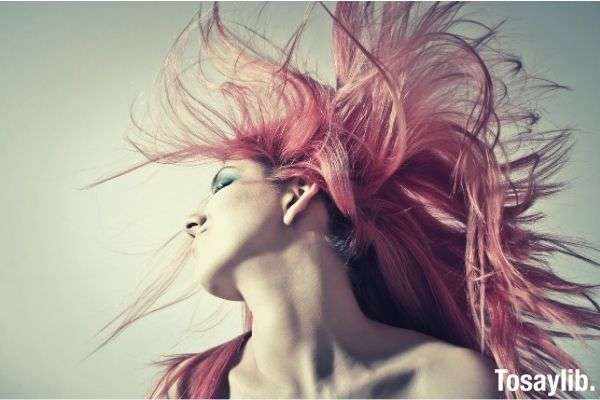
x=194, y=223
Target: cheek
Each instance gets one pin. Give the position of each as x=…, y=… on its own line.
x=253, y=212
x=241, y=224
x=244, y=215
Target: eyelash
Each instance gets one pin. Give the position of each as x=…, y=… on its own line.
x=222, y=185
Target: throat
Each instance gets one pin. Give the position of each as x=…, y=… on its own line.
x=324, y=369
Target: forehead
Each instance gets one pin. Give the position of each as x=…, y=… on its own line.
x=246, y=166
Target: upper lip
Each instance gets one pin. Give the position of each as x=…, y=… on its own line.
x=197, y=233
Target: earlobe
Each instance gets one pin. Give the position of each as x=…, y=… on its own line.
x=300, y=198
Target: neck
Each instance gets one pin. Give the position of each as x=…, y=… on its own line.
x=305, y=315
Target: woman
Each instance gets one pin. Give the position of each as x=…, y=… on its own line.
x=375, y=228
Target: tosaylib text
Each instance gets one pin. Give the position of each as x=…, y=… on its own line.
x=568, y=379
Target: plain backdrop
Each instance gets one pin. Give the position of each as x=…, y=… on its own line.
x=70, y=260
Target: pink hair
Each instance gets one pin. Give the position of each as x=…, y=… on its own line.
x=415, y=146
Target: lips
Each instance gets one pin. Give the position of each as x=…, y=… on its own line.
x=198, y=233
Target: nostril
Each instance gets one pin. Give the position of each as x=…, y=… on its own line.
x=193, y=223
x=189, y=228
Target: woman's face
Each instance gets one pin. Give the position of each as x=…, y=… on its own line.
x=242, y=219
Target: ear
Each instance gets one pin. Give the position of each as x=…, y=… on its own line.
x=296, y=198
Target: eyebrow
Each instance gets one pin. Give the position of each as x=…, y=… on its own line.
x=214, y=179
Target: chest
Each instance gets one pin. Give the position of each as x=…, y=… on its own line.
x=384, y=381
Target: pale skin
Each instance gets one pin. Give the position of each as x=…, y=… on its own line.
x=310, y=339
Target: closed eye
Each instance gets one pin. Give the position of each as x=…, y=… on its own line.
x=222, y=185
x=224, y=177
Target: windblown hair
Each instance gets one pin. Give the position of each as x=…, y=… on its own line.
x=418, y=149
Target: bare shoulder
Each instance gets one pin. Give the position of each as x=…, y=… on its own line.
x=423, y=366
x=449, y=371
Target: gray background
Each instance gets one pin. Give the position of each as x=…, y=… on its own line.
x=70, y=260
